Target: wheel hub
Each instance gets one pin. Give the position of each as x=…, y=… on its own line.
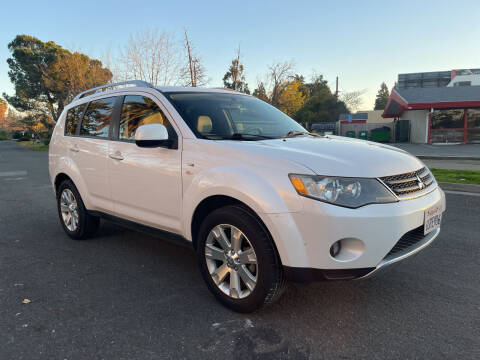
x=231, y=258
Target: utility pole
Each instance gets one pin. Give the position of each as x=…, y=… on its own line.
x=336, y=88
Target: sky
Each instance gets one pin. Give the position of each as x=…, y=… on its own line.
x=362, y=42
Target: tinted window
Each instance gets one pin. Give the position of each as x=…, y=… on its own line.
x=73, y=118
x=139, y=110
x=219, y=115
x=96, y=120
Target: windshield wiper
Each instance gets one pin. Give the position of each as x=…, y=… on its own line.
x=242, y=136
x=298, y=133
x=236, y=136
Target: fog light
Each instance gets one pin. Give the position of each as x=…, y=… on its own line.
x=335, y=248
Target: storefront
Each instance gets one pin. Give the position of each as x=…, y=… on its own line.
x=438, y=115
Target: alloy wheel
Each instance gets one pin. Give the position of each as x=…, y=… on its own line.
x=69, y=209
x=231, y=261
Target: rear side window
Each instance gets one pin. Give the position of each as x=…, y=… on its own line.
x=73, y=118
x=96, y=121
x=140, y=110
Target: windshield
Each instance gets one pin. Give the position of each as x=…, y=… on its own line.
x=220, y=116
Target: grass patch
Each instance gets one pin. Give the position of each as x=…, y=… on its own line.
x=457, y=176
x=33, y=145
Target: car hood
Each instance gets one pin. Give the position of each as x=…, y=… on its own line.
x=332, y=155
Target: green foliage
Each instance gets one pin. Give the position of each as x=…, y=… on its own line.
x=261, y=93
x=46, y=77
x=17, y=135
x=3, y=135
x=234, y=78
x=33, y=145
x=321, y=105
x=382, y=97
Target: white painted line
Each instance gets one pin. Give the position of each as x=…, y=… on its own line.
x=12, y=173
x=460, y=193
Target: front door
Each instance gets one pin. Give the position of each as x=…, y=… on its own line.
x=145, y=183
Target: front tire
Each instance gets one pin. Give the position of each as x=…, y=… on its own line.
x=75, y=220
x=238, y=260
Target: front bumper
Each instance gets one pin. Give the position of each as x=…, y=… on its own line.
x=304, y=239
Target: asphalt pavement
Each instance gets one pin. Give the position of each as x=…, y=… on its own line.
x=127, y=295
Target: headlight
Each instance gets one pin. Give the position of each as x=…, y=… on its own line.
x=342, y=191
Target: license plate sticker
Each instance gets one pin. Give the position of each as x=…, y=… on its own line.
x=433, y=218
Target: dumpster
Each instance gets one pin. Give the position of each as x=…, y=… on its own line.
x=363, y=134
x=380, y=134
x=350, y=134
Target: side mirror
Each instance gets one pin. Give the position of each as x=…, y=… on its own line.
x=151, y=135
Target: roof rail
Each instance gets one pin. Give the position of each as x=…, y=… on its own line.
x=95, y=89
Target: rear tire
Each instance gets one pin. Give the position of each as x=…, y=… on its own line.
x=75, y=219
x=242, y=277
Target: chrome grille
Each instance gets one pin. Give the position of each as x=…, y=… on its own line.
x=406, y=241
x=407, y=183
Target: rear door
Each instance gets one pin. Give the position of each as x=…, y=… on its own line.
x=92, y=151
x=145, y=182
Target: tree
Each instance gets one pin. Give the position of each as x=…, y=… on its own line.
x=37, y=72
x=72, y=73
x=318, y=86
x=352, y=99
x=261, y=93
x=320, y=109
x=278, y=76
x=382, y=97
x=234, y=78
x=291, y=99
x=193, y=73
x=151, y=56
x=321, y=105
x=300, y=79
x=3, y=113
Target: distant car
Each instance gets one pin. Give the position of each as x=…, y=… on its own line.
x=259, y=198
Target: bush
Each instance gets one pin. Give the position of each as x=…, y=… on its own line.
x=3, y=135
x=25, y=138
x=46, y=142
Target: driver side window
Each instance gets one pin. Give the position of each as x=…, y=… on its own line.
x=139, y=110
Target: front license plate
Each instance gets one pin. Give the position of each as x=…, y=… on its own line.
x=433, y=218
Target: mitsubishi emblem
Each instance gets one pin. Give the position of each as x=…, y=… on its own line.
x=420, y=183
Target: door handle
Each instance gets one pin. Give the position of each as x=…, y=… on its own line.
x=74, y=148
x=116, y=156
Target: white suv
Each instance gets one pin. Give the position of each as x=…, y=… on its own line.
x=259, y=198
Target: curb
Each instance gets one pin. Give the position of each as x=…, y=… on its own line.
x=471, y=188
x=430, y=157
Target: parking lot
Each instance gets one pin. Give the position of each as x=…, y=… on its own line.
x=127, y=295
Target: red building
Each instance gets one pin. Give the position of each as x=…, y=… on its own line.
x=437, y=114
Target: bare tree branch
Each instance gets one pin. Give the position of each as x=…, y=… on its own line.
x=353, y=99
x=151, y=56
x=193, y=73
x=278, y=77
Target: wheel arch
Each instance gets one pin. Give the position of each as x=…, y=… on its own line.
x=211, y=203
x=59, y=178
